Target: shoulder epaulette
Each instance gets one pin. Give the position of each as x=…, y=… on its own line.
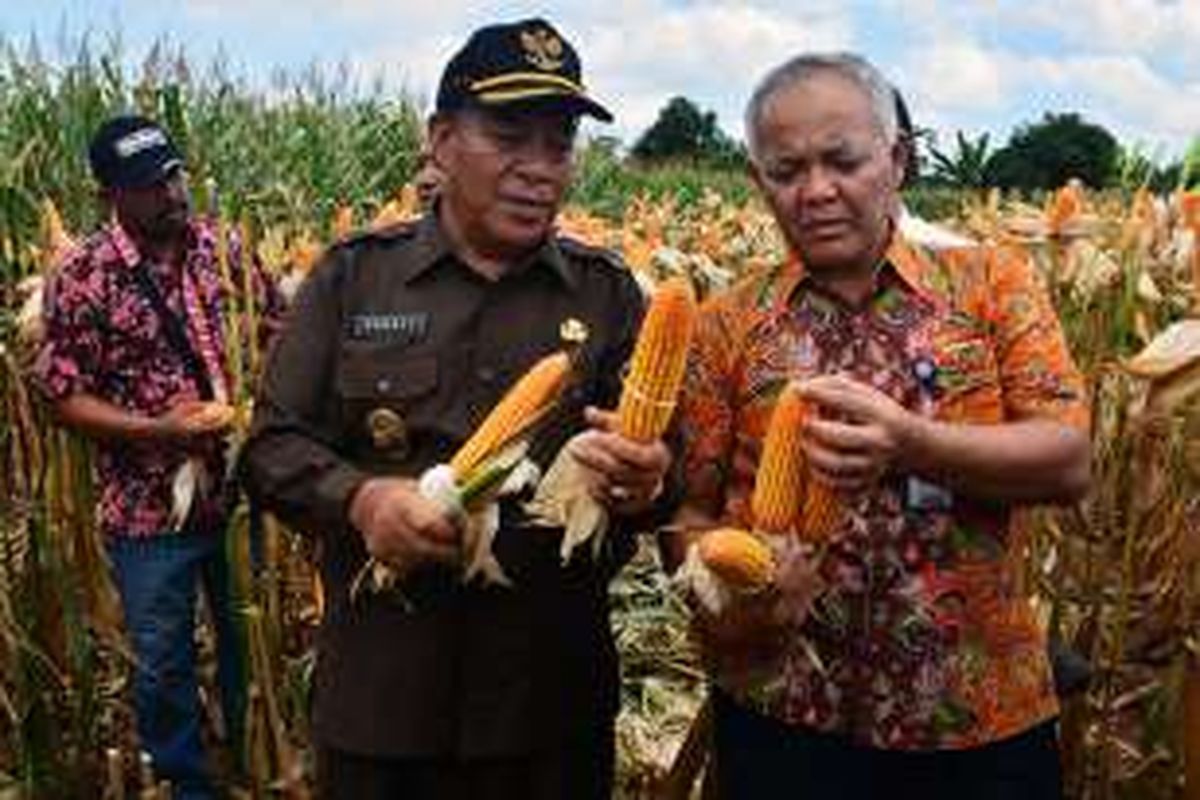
x=395, y=230
x=574, y=247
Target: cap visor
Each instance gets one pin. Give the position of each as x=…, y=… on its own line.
x=545, y=97
x=147, y=173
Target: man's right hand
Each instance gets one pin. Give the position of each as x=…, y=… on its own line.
x=401, y=527
x=193, y=418
x=761, y=622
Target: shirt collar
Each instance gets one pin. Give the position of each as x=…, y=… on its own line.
x=123, y=245
x=906, y=262
x=126, y=248
x=431, y=246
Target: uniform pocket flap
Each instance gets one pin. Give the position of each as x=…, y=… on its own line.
x=378, y=375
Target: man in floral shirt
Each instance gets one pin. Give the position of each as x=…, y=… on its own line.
x=909, y=662
x=135, y=356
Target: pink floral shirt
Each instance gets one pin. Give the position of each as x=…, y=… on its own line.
x=103, y=337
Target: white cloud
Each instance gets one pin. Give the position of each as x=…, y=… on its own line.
x=712, y=54
x=972, y=66
x=1119, y=26
x=956, y=76
x=637, y=54
x=1123, y=92
x=1131, y=65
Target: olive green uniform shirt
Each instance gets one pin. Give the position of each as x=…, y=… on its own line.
x=392, y=320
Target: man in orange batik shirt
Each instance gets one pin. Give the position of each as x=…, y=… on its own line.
x=945, y=401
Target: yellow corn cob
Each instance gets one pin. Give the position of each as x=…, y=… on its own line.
x=304, y=252
x=779, y=482
x=343, y=222
x=211, y=416
x=737, y=557
x=517, y=410
x=1065, y=205
x=658, y=363
x=785, y=497
x=58, y=241
x=390, y=213
x=1189, y=209
x=822, y=512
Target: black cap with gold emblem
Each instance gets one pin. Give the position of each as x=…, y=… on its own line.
x=524, y=62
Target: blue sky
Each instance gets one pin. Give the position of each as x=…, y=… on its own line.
x=971, y=65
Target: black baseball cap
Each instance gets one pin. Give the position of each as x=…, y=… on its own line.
x=130, y=151
x=517, y=64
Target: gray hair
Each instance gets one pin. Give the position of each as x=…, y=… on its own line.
x=800, y=68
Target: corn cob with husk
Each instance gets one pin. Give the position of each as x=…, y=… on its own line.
x=779, y=481
x=404, y=207
x=785, y=498
x=786, y=506
x=659, y=360
x=56, y=246
x=738, y=557
x=489, y=464
x=727, y=563
x=54, y=232
x=304, y=252
x=1170, y=364
x=343, y=222
x=520, y=408
x=643, y=413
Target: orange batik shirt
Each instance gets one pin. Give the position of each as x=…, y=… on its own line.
x=923, y=635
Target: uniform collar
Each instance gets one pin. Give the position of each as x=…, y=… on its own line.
x=908, y=264
x=431, y=247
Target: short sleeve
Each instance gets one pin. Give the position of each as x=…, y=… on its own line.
x=70, y=359
x=1038, y=377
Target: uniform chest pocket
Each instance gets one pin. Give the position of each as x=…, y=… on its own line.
x=385, y=377
x=383, y=393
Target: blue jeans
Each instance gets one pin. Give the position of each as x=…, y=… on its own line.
x=157, y=578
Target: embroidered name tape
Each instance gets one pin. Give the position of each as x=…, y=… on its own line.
x=410, y=328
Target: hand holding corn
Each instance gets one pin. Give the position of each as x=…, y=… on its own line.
x=853, y=450
x=624, y=474
x=618, y=466
x=450, y=514
x=195, y=417
x=402, y=528
x=749, y=590
x=793, y=516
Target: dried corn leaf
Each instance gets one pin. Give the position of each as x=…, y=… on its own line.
x=1174, y=348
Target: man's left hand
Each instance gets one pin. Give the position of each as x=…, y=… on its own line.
x=860, y=434
x=624, y=474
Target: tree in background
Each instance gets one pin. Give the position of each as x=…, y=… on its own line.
x=967, y=167
x=684, y=132
x=1046, y=154
x=1135, y=169
x=1189, y=168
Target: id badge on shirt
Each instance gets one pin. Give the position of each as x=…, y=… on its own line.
x=921, y=495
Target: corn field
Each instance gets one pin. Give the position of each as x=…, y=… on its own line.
x=1115, y=576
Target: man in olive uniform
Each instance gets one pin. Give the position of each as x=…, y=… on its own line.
x=399, y=344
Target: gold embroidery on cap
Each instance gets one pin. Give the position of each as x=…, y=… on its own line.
x=542, y=49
